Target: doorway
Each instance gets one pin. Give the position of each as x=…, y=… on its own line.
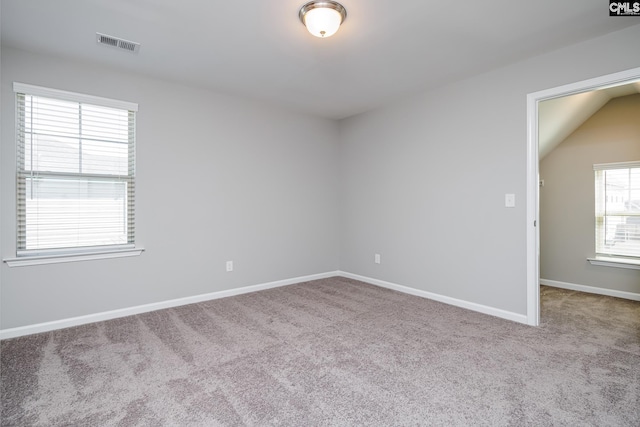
x=533, y=201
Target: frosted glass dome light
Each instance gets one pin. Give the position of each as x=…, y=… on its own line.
x=322, y=18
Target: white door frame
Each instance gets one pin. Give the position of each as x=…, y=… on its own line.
x=533, y=206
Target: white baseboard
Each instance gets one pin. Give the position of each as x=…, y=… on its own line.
x=520, y=318
x=113, y=314
x=591, y=289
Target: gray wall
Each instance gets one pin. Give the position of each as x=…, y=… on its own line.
x=420, y=181
x=423, y=179
x=567, y=223
x=218, y=178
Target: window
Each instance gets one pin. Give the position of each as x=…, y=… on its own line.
x=75, y=172
x=618, y=209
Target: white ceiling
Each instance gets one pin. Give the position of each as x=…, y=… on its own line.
x=260, y=50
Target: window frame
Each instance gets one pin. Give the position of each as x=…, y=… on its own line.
x=68, y=254
x=609, y=259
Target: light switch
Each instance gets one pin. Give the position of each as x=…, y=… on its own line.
x=509, y=200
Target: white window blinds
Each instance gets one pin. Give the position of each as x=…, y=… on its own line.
x=75, y=171
x=618, y=209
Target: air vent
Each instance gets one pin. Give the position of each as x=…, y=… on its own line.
x=117, y=43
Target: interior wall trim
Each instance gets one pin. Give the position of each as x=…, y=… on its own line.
x=591, y=289
x=130, y=311
x=492, y=311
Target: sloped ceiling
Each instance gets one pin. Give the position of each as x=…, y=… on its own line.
x=559, y=117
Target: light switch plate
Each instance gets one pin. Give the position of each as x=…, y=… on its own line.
x=510, y=200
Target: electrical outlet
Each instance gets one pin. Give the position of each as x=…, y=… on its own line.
x=376, y=259
x=229, y=265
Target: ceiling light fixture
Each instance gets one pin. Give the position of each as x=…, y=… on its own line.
x=322, y=18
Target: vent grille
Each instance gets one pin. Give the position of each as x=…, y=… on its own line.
x=117, y=43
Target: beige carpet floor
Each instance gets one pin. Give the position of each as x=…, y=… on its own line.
x=332, y=352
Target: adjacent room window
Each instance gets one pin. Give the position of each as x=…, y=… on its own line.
x=618, y=209
x=75, y=172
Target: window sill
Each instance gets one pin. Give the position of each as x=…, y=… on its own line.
x=55, y=259
x=633, y=264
